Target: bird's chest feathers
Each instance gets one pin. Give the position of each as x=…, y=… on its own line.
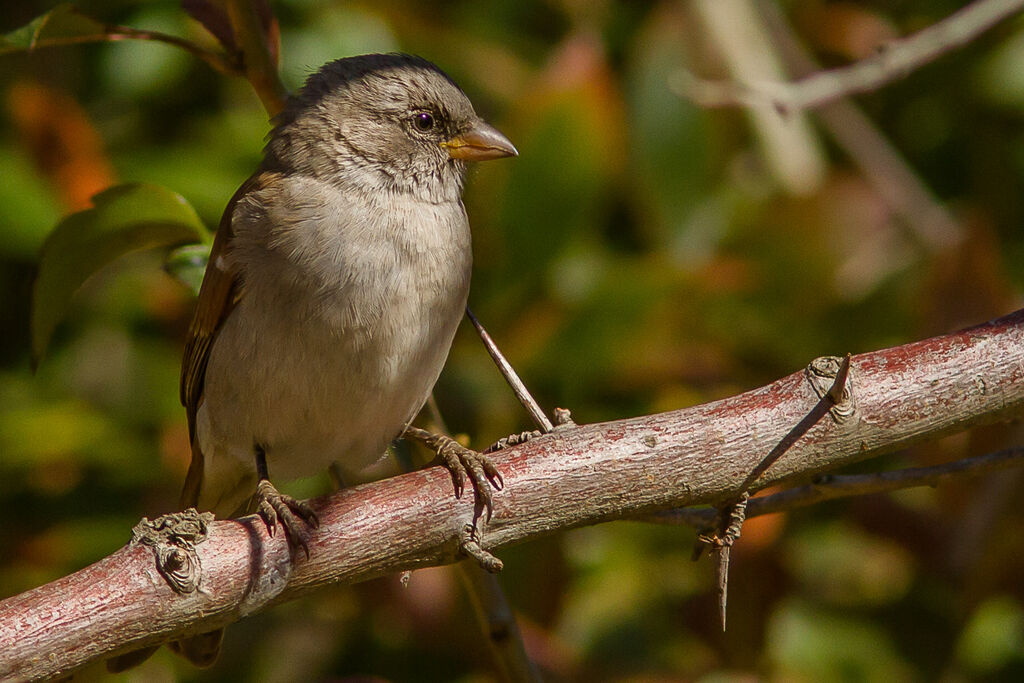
x=393, y=270
x=379, y=283
x=342, y=328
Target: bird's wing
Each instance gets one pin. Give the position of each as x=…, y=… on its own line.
x=217, y=297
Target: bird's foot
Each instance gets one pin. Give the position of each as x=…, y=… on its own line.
x=512, y=440
x=563, y=420
x=274, y=506
x=460, y=462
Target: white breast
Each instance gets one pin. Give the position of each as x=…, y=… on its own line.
x=347, y=315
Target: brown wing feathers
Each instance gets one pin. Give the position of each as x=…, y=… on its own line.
x=217, y=296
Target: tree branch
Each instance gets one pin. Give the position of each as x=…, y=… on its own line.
x=897, y=60
x=569, y=478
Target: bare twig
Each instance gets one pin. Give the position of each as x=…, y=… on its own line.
x=493, y=613
x=510, y=375
x=789, y=147
x=832, y=486
x=882, y=165
x=898, y=59
x=259, y=65
x=220, y=61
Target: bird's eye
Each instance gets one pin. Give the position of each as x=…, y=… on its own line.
x=423, y=121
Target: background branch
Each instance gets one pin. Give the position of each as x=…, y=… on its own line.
x=882, y=165
x=896, y=60
x=591, y=474
x=257, y=57
x=833, y=486
x=220, y=61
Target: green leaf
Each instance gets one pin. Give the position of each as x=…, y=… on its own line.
x=60, y=26
x=123, y=219
x=188, y=265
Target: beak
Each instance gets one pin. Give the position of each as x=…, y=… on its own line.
x=480, y=143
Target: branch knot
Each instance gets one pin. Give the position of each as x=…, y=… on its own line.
x=831, y=376
x=174, y=538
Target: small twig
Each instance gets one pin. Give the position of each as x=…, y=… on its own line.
x=896, y=60
x=469, y=544
x=494, y=614
x=789, y=147
x=831, y=486
x=258, y=64
x=220, y=61
x=510, y=375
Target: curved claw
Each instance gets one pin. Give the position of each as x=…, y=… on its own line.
x=275, y=507
x=493, y=475
x=473, y=463
x=451, y=462
x=460, y=462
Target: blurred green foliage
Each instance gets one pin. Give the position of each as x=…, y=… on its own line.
x=640, y=255
x=123, y=219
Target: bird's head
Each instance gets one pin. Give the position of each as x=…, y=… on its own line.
x=389, y=123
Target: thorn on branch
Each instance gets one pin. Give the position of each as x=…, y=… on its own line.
x=836, y=398
x=838, y=391
x=830, y=378
x=836, y=372
x=720, y=538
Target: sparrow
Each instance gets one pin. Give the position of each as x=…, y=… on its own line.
x=336, y=281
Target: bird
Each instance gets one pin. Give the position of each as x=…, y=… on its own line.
x=337, y=278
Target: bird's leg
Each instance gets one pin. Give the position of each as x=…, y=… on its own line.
x=460, y=461
x=274, y=506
